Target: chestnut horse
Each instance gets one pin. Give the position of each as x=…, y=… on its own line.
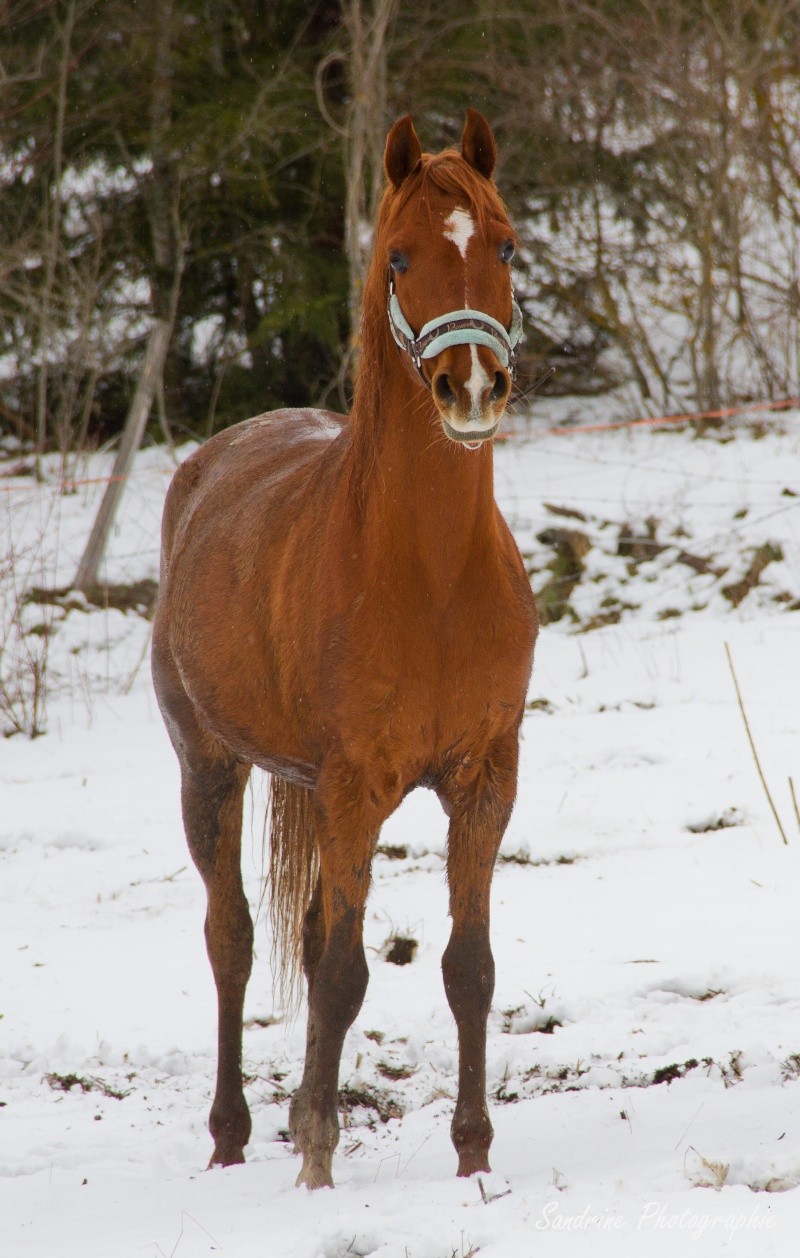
x=342, y=604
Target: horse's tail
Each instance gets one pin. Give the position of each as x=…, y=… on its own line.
x=293, y=868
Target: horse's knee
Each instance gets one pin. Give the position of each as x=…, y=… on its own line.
x=229, y=939
x=468, y=972
x=340, y=979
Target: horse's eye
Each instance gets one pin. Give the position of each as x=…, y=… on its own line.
x=398, y=261
x=507, y=251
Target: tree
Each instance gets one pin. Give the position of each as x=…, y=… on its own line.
x=366, y=29
x=648, y=154
x=261, y=311
x=162, y=191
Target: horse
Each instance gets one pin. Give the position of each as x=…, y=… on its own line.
x=342, y=604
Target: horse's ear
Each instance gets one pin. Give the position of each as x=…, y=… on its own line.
x=403, y=150
x=477, y=144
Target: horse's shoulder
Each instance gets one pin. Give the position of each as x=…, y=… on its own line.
x=237, y=465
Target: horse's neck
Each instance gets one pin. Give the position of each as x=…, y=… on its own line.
x=424, y=500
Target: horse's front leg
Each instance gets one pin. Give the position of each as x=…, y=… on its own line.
x=479, y=812
x=347, y=821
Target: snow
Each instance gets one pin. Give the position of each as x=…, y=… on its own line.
x=644, y=1046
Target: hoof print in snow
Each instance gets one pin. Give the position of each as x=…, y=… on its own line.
x=724, y=820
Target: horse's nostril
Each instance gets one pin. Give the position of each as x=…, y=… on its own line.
x=443, y=389
x=499, y=386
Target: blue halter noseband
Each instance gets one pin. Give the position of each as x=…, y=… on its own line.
x=460, y=327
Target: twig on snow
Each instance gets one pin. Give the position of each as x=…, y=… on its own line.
x=753, y=746
x=794, y=802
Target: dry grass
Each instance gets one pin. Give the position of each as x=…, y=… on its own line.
x=25, y=635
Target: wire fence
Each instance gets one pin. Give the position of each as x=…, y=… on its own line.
x=68, y=484
x=625, y=538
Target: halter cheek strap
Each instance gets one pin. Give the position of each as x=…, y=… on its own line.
x=460, y=327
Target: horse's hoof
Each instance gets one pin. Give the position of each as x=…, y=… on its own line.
x=226, y=1157
x=472, y=1160
x=316, y=1171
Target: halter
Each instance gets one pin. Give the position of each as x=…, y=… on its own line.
x=459, y=327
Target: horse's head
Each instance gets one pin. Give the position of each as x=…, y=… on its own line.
x=446, y=243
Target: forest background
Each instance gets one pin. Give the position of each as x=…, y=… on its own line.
x=187, y=188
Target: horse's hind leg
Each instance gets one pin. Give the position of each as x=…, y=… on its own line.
x=313, y=947
x=212, y=813
x=339, y=981
x=347, y=821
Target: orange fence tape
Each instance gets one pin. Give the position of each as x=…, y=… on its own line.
x=64, y=485
x=784, y=404
x=565, y=431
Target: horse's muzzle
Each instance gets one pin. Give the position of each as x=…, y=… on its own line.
x=470, y=389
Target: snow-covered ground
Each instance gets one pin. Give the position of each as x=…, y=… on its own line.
x=644, y=1051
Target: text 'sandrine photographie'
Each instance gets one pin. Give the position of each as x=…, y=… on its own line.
x=655, y=1216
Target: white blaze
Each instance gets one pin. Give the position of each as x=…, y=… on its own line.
x=477, y=383
x=459, y=227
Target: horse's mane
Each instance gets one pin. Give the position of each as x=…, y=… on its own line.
x=449, y=173
x=446, y=172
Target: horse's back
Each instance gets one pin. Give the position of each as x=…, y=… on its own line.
x=251, y=459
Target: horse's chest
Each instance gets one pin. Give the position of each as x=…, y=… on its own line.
x=421, y=685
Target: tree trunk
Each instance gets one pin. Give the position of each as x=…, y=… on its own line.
x=365, y=136
x=52, y=225
x=135, y=424
x=162, y=197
